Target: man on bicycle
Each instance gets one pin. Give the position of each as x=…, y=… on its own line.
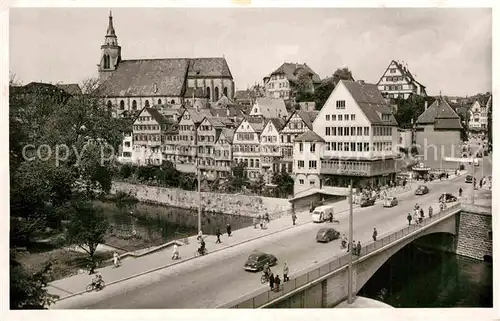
x=202, y=249
x=97, y=281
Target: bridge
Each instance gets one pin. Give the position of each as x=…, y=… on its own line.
x=326, y=285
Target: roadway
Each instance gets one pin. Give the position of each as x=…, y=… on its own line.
x=212, y=280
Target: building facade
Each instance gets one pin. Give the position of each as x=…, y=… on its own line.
x=398, y=82
x=478, y=117
x=246, y=145
x=308, y=149
x=360, y=134
x=224, y=153
x=270, y=151
x=126, y=149
x=127, y=86
x=285, y=81
x=437, y=135
x=298, y=123
x=149, y=131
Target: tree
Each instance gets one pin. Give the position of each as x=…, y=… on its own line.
x=304, y=86
x=284, y=183
x=408, y=110
x=29, y=290
x=126, y=171
x=258, y=185
x=324, y=90
x=87, y=227
x=238, y=178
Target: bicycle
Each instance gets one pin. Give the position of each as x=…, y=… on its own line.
x=264, y=279
x=97, y=286
x=197, y=253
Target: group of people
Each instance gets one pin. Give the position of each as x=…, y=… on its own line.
x=261, y=220
x=418, y=214
x=356, y=248
x=274, y=280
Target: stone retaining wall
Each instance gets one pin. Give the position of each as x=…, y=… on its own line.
x=473, y=238
x=223, y=203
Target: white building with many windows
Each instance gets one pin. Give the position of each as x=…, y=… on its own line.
x=360, y=132
x=398, y=82
x=307, y=153
x=478, y=116
x=270, y=151
x=246, y=145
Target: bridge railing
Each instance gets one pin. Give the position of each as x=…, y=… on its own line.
x=316, y=272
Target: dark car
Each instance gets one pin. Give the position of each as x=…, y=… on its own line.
x=327, y=234
x=468, y=179
x=422, y=190
x=447, y=198
x=257, y=260
x=367, y=201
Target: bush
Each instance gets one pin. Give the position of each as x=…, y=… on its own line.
x=126, y=171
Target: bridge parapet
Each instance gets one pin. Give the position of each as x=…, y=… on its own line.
x=307, y=278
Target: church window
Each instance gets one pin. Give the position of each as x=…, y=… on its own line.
x=122, y=105
x=110, y=105
x=134, y=105
x=172, y=101
x=225, y=91
x=216, y=94
x=159, y=101
x=146, y=104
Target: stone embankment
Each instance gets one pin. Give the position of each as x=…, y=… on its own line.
x=235, y=204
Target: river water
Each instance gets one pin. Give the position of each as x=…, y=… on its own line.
x=421, y=278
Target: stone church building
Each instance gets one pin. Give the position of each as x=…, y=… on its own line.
x=130, y=85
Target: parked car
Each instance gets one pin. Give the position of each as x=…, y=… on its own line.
x=367, y=201
x=422, y=190
x=322, y=213
x=390, y=201
x=468, y=179
x=257, y=260
x=447, y=198
x=327, y=234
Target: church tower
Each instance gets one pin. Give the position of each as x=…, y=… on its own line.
x=110, y=53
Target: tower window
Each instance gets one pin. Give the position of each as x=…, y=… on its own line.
x=172, y=101
x=225, y=91
x=110, y=105
x=146, y=103
x=122, y=105
x=216, y=94
x=134, y=105
x=208, y=93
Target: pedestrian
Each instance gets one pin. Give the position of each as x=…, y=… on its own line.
x=228, y=230
x=430, y=210
x=481, y=183
x=262, y=223
x=277, y=282
x=175, y=254
x=267, y=217
x=409, y=218
x=255, y=222
x=218, y=234
x=375, y=233
x=415, y=218
x=116, y=259
x=285, y=273
x=358, y=249
x=294, y=218
x=271, y=280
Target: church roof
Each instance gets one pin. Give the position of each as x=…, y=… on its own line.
x=161, y=77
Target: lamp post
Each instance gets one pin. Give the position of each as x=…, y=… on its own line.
x=349, y=279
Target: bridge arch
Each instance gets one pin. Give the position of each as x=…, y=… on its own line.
x=366, y=269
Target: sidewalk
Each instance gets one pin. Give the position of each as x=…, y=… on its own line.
x=138, y=266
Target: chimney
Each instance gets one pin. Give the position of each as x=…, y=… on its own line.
x=425, y=105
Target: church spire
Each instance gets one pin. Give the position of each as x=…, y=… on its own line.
x=111, y=29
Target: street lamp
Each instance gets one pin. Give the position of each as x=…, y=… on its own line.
x=349, y=279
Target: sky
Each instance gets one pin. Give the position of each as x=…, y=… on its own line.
x=447, y=50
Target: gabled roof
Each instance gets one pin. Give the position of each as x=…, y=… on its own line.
x=370, y=101
x=405, y=72
x=277, y=123
x=256, y=123
x=308, y=117
x=155, y=113
x=197, y=115
x=441, y=115
x=309, y=136
x=292, y=71
x=271, y=107
x=219, y=122
x=72, y=89
x=228, y=134
x=139, y=77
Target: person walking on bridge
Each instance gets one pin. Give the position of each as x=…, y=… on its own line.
x=218, y=234
x=277, y=282
x=228, y=230
x=358, y=249
x=285, y=273
x=271, y=280
x=430, y=211
x=374, y=235
x=409, y=218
